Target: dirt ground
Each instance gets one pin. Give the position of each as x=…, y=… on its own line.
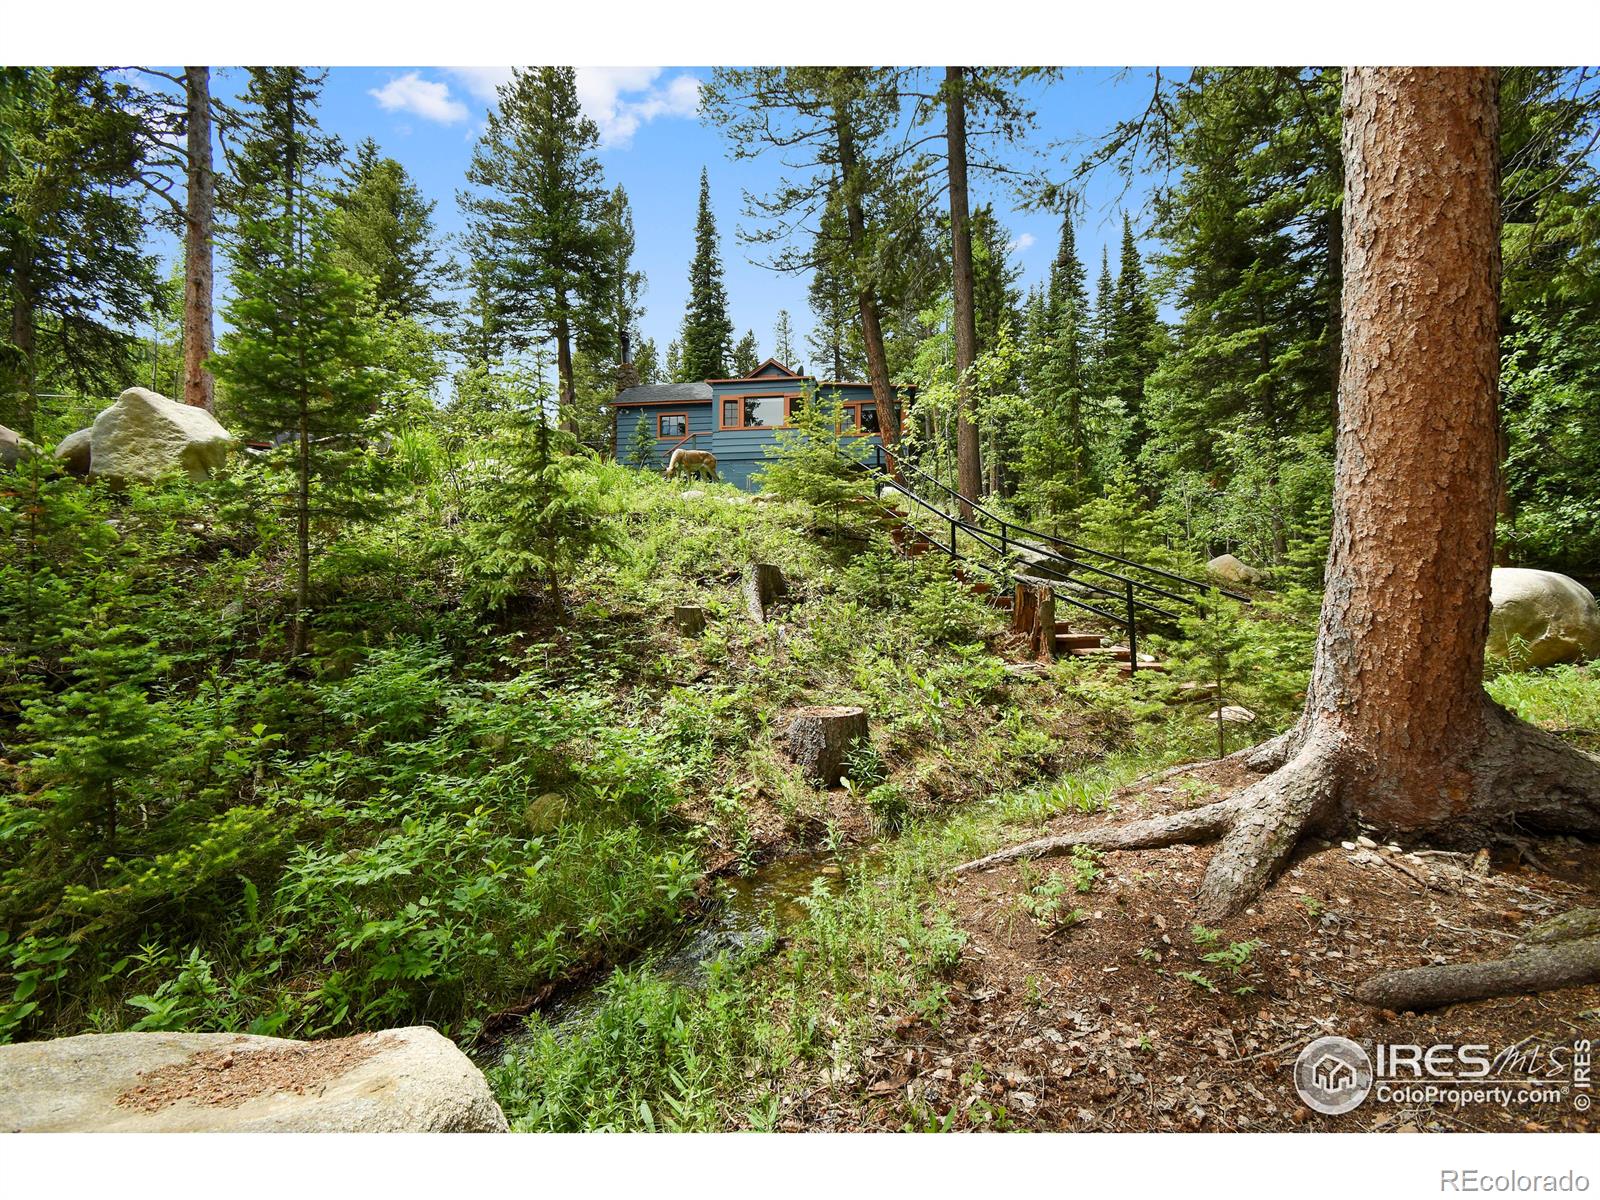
x=1095, y=1027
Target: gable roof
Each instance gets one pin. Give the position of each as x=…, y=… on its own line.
x=773, y=367
x=665, y=393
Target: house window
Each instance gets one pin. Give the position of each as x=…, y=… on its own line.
x=763, y=412
x=756, y=412
x=672, y=425
x=861, y=416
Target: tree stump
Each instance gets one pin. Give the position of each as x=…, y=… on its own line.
x=820, y=739
x=763, y=583
x=690, y=620
x=1033, y=614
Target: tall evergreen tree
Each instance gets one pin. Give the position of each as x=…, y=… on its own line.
x=73, y=272
x=1134, y=348
x=384, y=231
x=647, y=361
x=746, y=355
x=783, y=347
x=302, y=354
x=832, y=125
x=537, y=219
x=706, y=343
x=835, y=338
x=627, y=283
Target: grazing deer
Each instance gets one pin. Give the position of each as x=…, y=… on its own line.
x=699, y=463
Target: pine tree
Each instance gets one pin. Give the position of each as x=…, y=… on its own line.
x=647, y=361
x=544, y=513
x=835, y=339
x=383, y=231
x=302, y=353
x=783, y=343
x=1134, y=349
x=642, y=449
x=537, y=221
x=1105, y=307
x=746, y=355
x=73, y=271
x=706, y=343
x=627, y=283
x=1056, y=458
x=672, y=371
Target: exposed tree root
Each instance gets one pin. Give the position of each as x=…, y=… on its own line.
x=1537, y=969
x=1192, y=825
x=1273, y=815
x=1316, y=782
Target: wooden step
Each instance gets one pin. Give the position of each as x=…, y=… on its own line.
x=1113, y=653
x=1160, y=667
x=1078, y=641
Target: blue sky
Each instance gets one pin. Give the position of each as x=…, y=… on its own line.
x=654, y=144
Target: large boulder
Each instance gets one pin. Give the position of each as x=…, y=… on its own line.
x=1225, y=568
x=1539, y=618
x=145, y=435
x=398, y=1081
x=74, y=452
x=13, y=446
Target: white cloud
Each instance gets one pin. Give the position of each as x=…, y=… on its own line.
x=482, y=81
x=426, y=98
x=1021, y=242
x=618, y=99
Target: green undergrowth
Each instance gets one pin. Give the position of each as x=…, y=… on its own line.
x=660, y=1055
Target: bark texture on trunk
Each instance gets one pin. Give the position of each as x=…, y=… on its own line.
x=969, y=471
x=1563, y=952
x=199, y=388
x=690, y=619
x=1399, y=663
x=762, y=584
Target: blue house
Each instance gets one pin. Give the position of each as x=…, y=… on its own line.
x=735, y=419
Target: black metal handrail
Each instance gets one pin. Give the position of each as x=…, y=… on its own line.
x=1008, y=544
x=880, y=454
x=954, y=551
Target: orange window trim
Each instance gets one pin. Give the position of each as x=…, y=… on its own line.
x=661, y=419
x=856, y=406
x=722, y=413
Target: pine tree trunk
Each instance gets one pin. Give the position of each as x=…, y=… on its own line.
x=198, y=385
x=866, y=294
x=569, y=395
x=969, y=470
x=1400, y=651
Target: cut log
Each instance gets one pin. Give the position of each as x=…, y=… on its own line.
x=763, y=583
x=820, y=740
x=690, y=620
